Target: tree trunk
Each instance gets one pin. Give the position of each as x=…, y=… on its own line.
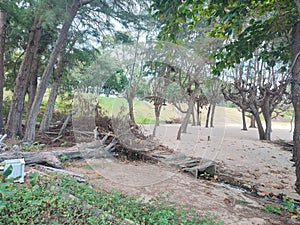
x=268, y=118
x=212, y=115
x=186, y=119
x=157, y=109
x=31, y=121
x=268, y=130
x=295, y=92
x=131, y=109
x=198, y=114
x=252, y=122
x=260, y=127
x=2, y=45
x=32, y=84
x=244, y=120
x=57, y=75
x=207, y=115
x=14, y=123
x=193, y=117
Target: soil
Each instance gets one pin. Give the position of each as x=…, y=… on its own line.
x=264, y=165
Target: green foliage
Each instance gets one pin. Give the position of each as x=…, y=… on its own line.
x=26, y=146
x=34, y=178
x=7, y=172
x=56, y=200
x=288, y=204
x=273, y=209
x=287, y=207
x=64, y=158
x=243, y=25
x=5, y=186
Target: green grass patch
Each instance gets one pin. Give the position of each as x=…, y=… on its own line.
x=61, y=200
x=144, y=111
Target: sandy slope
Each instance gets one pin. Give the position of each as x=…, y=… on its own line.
x=262, y=163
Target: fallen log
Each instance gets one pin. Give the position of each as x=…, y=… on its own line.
x=52, y=158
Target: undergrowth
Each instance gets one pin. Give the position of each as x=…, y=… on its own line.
x=61, y=200
x=286, y=208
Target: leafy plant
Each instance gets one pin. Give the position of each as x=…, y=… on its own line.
x=272, y=209
x=4, y=186
x=288, y=204
x=34, y=178
x=34, y=146
x=64, y=158
x=287, y=207
x=61, y=200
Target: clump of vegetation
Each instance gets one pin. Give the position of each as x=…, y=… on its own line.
x=61, y=200
x=286, y=208
x=26, y=146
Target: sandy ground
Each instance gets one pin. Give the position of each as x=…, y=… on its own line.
x=262, y=163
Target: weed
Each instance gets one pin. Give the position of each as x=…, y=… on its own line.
x=287, y=207
x=61, y=200
x=64, y=158
x=26, y=146
x=272, y=209
x=288, y=204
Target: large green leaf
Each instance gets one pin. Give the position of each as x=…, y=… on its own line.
x=8, y=171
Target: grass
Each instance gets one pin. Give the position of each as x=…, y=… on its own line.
x=144, y=110
x=61, y=200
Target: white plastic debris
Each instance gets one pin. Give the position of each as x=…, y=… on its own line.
x=18, y=169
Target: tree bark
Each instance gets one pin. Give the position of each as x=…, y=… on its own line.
x=31, y=121
x=212, y=114
x=207, y=116
x=267, y=113
x=244, y=120
x=157, y=109
x=157, y=114
x=14, y=123
x=33, y=83
x=295, y=92
x=131, y=109
x=260, y=127
x=187, y=115
x=2, y=45
x=198, y=114
x=193, y=117
x=252, y=122
x=184, y=124
x=57, y=75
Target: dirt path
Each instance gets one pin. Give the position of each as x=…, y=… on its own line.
x=262, y=163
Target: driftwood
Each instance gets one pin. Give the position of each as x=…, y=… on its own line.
x=51, y=158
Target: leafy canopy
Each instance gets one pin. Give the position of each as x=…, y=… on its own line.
x=244, y=25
